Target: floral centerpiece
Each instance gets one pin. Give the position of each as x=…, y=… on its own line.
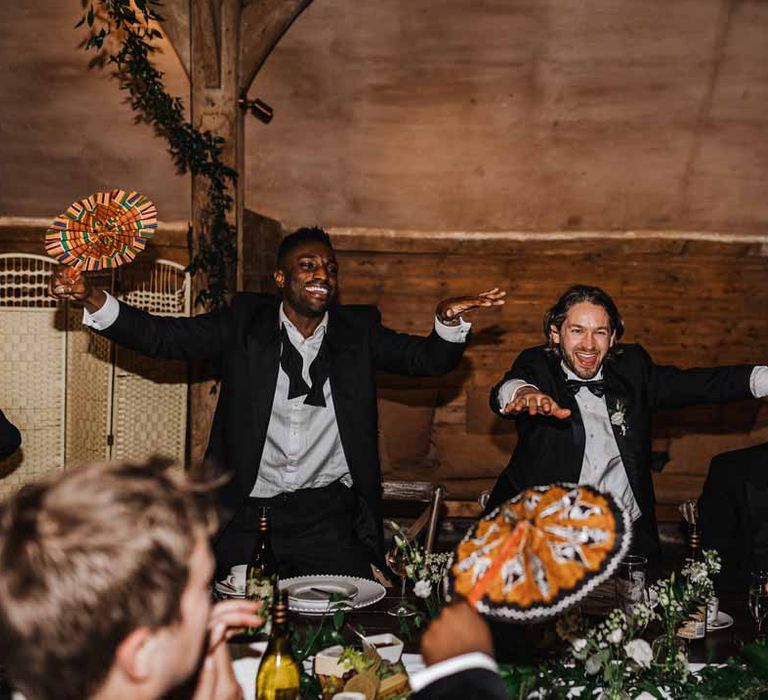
x=611, y=661
x=679, y=596
x=425, y=569
x=610, y=653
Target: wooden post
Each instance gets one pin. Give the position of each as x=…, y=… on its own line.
x=221, y=44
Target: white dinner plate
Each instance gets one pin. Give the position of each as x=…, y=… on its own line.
x=361, y=592
x=313, y=591
x=721, y=622
x=227, y=591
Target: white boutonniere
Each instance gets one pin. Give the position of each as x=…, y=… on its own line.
x=619, y=418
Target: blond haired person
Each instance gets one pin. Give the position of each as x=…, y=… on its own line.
x=104, y=588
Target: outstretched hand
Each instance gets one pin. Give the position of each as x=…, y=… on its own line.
x=536, y=403
x=449, y=310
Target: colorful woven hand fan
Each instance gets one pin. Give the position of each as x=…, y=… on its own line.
x=104, y=230
x=541, y=552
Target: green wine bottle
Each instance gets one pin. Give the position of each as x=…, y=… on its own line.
x=261, y=575
x=278, y=676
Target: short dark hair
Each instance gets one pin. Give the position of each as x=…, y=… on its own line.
x=86, y=557
x=577, y=294
x=305, y=234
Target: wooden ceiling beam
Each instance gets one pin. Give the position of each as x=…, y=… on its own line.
x=262, y=24
x=175, y=26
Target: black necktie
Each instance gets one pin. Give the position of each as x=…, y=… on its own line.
x=292, y=363
x=597, y=387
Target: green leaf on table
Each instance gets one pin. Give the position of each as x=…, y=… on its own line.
x=338, y=619
x=652, y=688
x=756, y=656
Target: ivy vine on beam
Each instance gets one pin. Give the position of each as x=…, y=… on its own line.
x=131, y=27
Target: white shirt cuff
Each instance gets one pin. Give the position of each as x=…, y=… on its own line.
x=509, y=389
x=474, y=660
x=453, y=334
x=758, y=382
x=103, y=318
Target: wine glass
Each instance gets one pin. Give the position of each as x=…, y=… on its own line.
x=758, y=598
x=395, y=559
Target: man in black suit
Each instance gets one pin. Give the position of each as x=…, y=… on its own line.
x=733, y=513
x=583, y=404
x=10, y=437
x=296, y=420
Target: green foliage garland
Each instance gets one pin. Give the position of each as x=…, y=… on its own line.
x=132, y=24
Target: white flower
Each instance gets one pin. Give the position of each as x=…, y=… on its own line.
x=640, y=652
x=619, y=418
x=579, y=649
x=422, y=589
x=579, y=644
x=593, y=665
x=615, y=636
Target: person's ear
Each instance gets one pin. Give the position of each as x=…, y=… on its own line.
x=554, y=334
x=279, y=277
x=134, y=654
x=613, y=339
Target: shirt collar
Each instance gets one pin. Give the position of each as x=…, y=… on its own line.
x=294, y=332
x=570, y=375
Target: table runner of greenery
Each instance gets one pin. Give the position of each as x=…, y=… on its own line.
x=610, y=659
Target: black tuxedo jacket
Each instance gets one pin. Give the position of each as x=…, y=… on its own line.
x=472, y=684
x=10, y=437
x=733, y=511
x=244, y=339
x=550, y=450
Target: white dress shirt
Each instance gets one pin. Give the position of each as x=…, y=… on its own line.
x=421, y=679
x=601, y=466
x=303, y=447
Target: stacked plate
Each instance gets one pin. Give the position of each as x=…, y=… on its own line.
x=317, y=595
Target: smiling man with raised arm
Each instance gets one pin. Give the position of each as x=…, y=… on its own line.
x=584, y=401
x=296, y=420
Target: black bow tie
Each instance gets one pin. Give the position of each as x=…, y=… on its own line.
x=597, y=387
x=292, y=363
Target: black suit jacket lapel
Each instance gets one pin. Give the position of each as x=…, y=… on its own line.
x=566, y=399
x=618, y=399
x=263, y=348
x=342, y=343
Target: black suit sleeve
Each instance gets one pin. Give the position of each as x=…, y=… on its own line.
x=198, y=338
x=473, y=684
x=671, y=387
x=402, y=353
x=10, y=437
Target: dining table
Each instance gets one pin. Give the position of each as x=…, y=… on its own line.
x=517, y=644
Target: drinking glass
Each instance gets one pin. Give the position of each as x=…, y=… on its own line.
x=630, y=581
x=758, y=598
x=395, y=559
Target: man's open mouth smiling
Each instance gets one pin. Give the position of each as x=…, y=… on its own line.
x=319, y=291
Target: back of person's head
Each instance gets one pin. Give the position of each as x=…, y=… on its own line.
x=307, y=234
x=85, y=558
